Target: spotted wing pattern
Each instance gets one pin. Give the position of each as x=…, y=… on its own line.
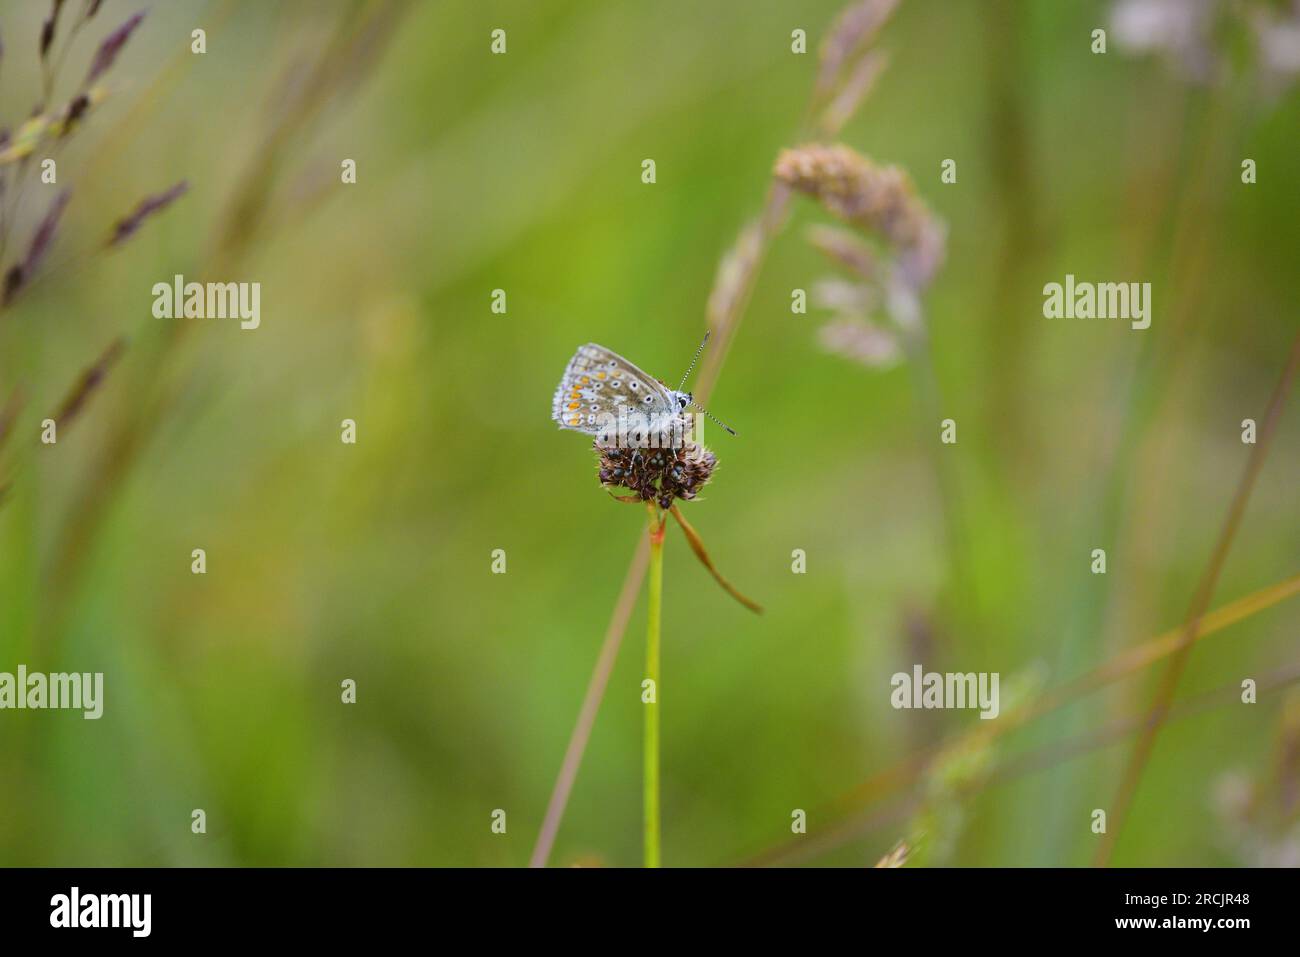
x=597, y=382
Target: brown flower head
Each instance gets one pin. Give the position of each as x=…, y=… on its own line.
x=657, y=475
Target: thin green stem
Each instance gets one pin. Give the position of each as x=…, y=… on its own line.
x=916, y=345
x=651, y=749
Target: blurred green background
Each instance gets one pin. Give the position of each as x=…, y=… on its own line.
x=521, y=172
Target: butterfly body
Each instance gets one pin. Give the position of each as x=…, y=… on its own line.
x=599, y=386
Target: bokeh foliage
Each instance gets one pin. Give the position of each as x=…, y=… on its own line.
x=371, y=561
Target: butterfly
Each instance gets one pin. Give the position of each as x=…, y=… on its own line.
x=600, y=387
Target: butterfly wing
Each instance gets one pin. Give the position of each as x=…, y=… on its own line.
x=597, y=383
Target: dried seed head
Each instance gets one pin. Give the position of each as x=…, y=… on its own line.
x=44, y=235
x=918, y=263
x=1180, y=30
x=126, y=227
x=21, y=273
x=855, y=89
x=656, y=475
x=880, y=199
x=860, y=341
x=844, y=248
x=852, y=30
x=50, y=27
x=735, y=273
x=73, y=114
x=90, y=381
x=70, y=117
x=47, y=37
x=844, y=297
x=896, y=857
x=111, y=47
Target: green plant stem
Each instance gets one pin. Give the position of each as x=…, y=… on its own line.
x=651, y=749
x=916, y=346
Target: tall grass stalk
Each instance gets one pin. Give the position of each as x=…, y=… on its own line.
x=591, y=703
x=654, y=603
x=915, y=343
x=728, y=302
x=1163, y=699
x=840, y=833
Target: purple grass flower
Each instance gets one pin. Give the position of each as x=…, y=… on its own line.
x=127, y=226
x=111, y=47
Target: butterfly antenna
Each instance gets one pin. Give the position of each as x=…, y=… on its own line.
x=714, y=419
x=691, y=367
